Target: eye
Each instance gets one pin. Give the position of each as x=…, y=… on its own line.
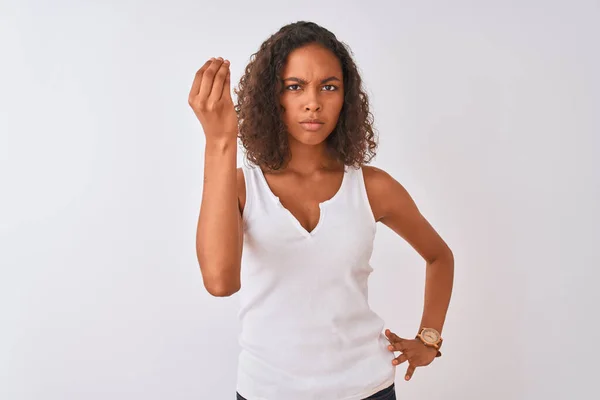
x=333, y=88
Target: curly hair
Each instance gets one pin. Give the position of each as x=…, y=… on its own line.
x=261, y=129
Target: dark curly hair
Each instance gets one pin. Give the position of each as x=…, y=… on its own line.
x=261, y=129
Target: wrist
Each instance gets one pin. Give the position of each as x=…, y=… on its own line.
x=431, y=338
x=221, y=144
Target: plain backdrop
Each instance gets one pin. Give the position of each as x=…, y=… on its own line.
x=486, y=111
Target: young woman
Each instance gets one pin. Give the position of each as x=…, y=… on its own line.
x=292, y=230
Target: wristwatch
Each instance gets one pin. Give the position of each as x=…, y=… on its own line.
x=430, y=338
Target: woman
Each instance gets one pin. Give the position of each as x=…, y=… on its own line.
x=292, y=230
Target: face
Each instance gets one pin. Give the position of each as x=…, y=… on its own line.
x=312, y=89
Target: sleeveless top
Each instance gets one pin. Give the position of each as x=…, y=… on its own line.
x=307, y=331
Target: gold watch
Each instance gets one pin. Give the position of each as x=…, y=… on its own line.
x=430, y=338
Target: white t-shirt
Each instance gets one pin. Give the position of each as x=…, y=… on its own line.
x=307, y=331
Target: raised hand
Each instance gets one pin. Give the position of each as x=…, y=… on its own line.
x=210, y=98
x=413, y=351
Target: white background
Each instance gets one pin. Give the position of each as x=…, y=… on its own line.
x=487, y=112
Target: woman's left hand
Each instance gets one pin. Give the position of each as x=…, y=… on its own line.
x=413, y=350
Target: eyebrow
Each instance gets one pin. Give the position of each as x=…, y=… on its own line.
x=331, y=78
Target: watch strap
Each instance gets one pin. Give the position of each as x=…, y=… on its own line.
x=439, y=353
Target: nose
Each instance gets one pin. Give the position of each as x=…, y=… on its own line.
x=313, y=107
x=312, y=102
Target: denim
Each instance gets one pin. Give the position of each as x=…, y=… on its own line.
x=388, y=393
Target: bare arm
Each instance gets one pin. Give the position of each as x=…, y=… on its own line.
x=396, y=209
x=219, y=234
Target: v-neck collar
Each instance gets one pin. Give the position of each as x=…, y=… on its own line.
x=322, y=208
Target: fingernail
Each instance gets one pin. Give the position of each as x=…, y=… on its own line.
x=407, y=377
x=226, y=62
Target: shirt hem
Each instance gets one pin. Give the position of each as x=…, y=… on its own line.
x=361, y=396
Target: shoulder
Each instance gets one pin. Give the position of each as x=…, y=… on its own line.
x=376, y=177
x=395, y=208
x=385, y=193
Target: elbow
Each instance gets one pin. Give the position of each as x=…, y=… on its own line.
x=222, y=290
x=221, y=284
x=446, y=256
x=449, y=258
x=450, y=255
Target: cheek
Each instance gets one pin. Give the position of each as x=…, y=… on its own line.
x=286, y=105
x=336, y=105
x=337, y=101
x=341, y=100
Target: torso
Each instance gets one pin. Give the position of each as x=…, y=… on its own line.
x=311, y=288
x=301, y=196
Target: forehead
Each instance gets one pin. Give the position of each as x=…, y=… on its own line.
x=312, y=61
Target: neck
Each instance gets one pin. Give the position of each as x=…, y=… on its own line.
x=306, y=159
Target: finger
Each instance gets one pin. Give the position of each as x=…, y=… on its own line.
x=392, y=336
x=397, y=346
x=208, y=78
x=219, y=82
x=198, y=79
x=396, y=338
x=400, y=359
x=399, y=339
x=227, y=87
x=409, y=372
x=388, y=334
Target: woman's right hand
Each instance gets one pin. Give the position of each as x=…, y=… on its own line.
x=210, y=98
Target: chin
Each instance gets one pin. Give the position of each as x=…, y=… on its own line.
x=310, y=138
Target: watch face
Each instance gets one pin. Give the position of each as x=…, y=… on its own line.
x=430, y=335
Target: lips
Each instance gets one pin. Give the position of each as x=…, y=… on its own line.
x=312, y=126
